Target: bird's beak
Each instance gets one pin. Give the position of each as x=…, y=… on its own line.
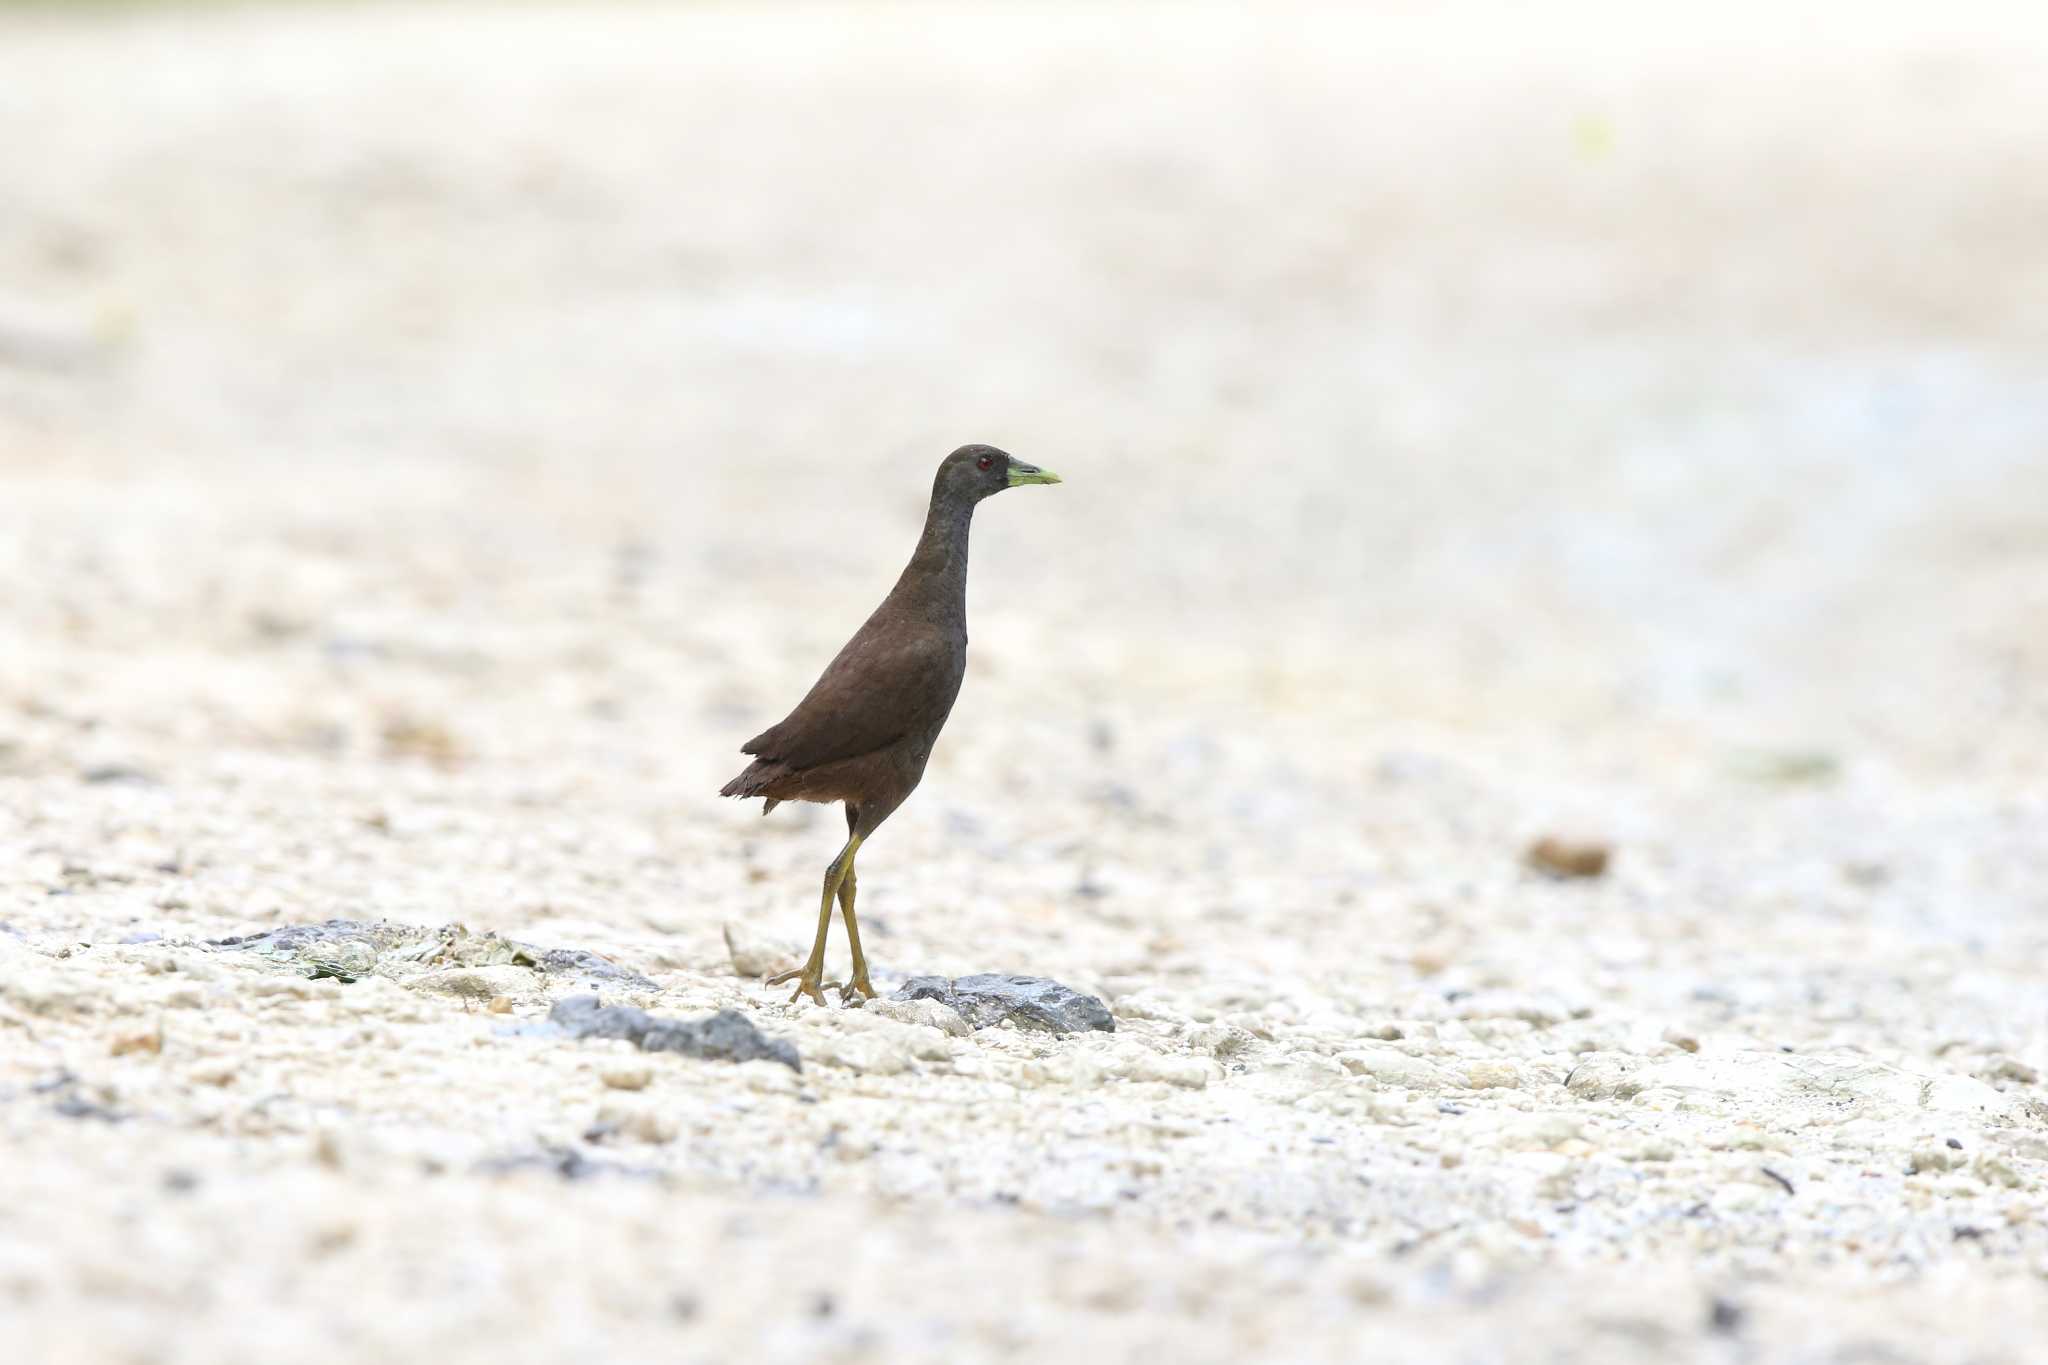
x=1021, y=474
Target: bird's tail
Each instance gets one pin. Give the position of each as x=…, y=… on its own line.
x=749, y=784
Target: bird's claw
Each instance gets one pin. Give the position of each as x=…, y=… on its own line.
x=807, y=983
x=860, y=986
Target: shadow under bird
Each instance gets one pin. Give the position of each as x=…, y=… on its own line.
x=864, y=732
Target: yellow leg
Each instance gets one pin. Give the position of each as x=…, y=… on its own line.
x=810, y=977
x=859, y=982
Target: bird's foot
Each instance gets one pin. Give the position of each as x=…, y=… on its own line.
x=860, y=985
x=807, y=983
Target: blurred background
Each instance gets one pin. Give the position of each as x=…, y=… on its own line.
x=434, y=436
x=1477, y=362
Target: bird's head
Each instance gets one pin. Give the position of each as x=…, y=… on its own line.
x=972, y=473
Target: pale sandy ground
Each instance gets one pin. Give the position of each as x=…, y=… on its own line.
x=431, y=440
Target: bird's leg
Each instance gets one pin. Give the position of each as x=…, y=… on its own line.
x=848, y=890
x=859, y=982
x=810, y=977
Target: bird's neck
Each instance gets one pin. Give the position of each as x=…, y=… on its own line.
x=935, y=581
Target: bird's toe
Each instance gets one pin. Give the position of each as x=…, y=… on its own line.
x=807, y=985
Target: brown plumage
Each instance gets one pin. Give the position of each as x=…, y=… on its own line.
x=864, y=732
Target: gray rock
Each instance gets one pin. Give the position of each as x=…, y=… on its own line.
x=581, y=962
x=71, y=1103
x=1030, y=1002
x=106, y=773
x=294, y=940
x=727, y=1036
x=566, y=1162
x=341, y=948
x=350, y=949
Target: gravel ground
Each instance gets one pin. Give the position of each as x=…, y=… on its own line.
x=432, y=438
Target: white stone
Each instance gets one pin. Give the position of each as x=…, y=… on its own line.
x=1390, y=1066
x=756, y=953
x=935, y=1014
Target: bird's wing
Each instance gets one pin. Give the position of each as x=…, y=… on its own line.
x=883, y=686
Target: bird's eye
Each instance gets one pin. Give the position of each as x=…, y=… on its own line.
x=986, y=462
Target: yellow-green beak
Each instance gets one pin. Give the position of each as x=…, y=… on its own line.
x=1021, y=474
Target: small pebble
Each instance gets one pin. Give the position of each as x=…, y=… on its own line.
x=1568, y=859
x=220, y=1073
x=627, y=1077
x=151, y=1042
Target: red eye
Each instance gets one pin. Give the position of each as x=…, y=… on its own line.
x=985, y=462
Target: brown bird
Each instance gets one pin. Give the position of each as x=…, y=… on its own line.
x=864, y=732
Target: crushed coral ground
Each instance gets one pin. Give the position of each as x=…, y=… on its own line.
x=418, y=475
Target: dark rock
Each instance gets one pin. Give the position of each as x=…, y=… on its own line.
x=1030, y=1002
x=727, y=1036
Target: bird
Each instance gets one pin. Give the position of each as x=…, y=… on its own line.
x=864, y=732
